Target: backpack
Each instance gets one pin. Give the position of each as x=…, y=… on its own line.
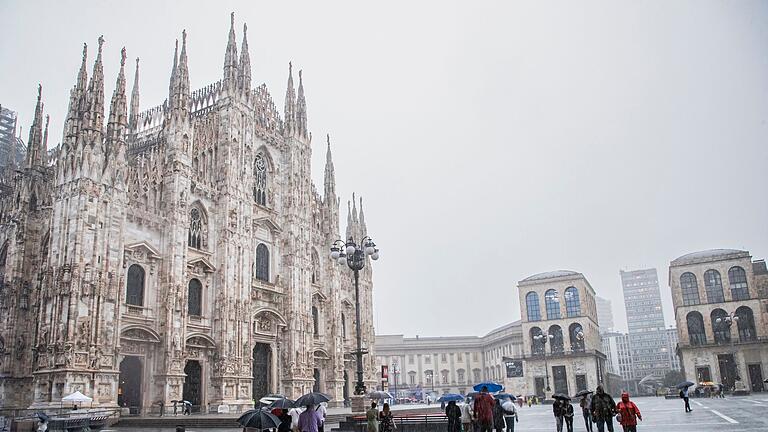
x=682, y=395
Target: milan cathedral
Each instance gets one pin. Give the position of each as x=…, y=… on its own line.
x=180, y=252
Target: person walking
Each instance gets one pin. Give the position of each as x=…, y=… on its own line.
x=484, y=410
x=386, y=421
x=285, y=421
x=510, y=414
x=295, y=413
x=568, y=414
x=466, y=418
x=372, y=416
x=310, y=420
x=584, y=404
x=603, y=408
x=629, y=413
x=175, y=407
x=684, y=396
x=498, y=417
x=453, y=412
x=557, y=411
x=322, y=412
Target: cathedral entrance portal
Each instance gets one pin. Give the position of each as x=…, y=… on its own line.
x=262, y=369
x=129, y=389
x=192, y=383
x=316, y=385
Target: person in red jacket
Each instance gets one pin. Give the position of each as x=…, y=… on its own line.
x=484, y=410
x=629, y=412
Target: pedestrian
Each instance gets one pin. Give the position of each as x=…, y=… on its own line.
x=558, y=412
x=584, y=404
x=684, y=396
x=484, y=410
x=520, y=401
x=568, y=414
x=322, y=411
x=386, y=422
x=310, y=420
x=372, y=416
x=175, y=407
x=453, y=412
x=529, y=400
x=498, y=417
x=162, y=408
x=510, y=414
x=629, y=414
x=442, y=406
x=43, y=426
x=603, y=408
x=720, y=388
x=466, y=417
x=295, y=413
x=285, y=421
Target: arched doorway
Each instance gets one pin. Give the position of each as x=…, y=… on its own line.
x=316, y=385
x=129, y=389
x=262, y=370
x=192, y=383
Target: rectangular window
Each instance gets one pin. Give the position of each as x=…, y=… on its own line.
x=444, y=377
x=459, y=357
x=474, y=356
x=443, y=358
x=427, y=359
x=410, y=359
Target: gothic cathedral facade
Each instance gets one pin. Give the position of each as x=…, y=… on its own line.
x=180, y=252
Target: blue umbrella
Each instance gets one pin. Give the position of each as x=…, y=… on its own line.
x=684, y=384
x=451, y=397
x=492, y=386
x=505, y=396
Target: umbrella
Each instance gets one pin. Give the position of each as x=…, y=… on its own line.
x=177, y=401
x=378, y=394
x=583, y=392
x=283, y=403
x=42, y=416
x=313, y=398
x=765, y=380
x=508, y=405
x=561, y=396
x=492, y=386
x=505, y=396
x=684, y=384
x=76, y=397
x=448, y=397
x=706, y=383
x=258, y=419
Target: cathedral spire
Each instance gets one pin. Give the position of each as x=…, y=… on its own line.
x=44, y=144
x=290, y=103
x=330, y=175
x=349, y=221
x=363, y=228
x=244, y=71
x=301, y=109
x=133, y=119
x=173, y=84
x=77, y=97
x=183, y=74
x=230, y=57
x=36, y=133
x=117, y=111
x=95, y=115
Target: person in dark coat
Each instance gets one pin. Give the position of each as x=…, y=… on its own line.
x=285, y=421
x=603, y=409
x=559, y=412
x=585, y=411
x=498, y=417
x=453, y=412
x=568, y=414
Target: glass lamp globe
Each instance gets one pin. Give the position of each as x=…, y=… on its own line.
x=334, y=253
x=350, y=249
x=342, y=260
x=375, y=255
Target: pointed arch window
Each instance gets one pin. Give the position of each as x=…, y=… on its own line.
x=696, y=333
x=714, y=286
x=737, y=278
x=552, y=303
x=532, y=306
x=195, y=298
x=134, y=293
x=343, y=327
x=196, y=228
x=315, y=321
x=315, y=276
x=690, y=289
x=260, y=180
x=572, y=304
x=262, y=263
x=33, y=202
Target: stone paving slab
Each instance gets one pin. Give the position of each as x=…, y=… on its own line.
x=736, y=414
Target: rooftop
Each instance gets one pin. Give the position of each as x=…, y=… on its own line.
x=710, y=255
x=550, y=275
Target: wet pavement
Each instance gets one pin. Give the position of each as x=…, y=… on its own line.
x=733, y=414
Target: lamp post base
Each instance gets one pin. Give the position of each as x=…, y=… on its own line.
x=359, y=403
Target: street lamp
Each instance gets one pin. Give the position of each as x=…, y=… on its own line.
x=354, y=256
x=726, y=322
x=543, y=338
x=395, y=372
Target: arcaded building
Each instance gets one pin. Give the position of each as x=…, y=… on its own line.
x=721, y=308
x=176, y=252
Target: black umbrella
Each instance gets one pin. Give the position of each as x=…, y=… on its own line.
x=283, y=403
x=314, y=398
x=258, y=419
x=42, y=416
x=561, y=396
x=684, y=384
x=583, y=393
x=378, y=394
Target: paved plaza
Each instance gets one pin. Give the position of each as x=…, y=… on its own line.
x=661, y=415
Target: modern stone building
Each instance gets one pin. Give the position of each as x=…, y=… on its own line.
x=604, y=314
x=617, y=349
x=647, y=333
x=562, y=351
x=721, y=307
x=176, y=252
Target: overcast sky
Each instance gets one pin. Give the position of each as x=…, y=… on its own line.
x=490, y=141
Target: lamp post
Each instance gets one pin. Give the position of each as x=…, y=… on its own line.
x=395, y=372
x=543, y=338
x=727, y=322
x=354, y=256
